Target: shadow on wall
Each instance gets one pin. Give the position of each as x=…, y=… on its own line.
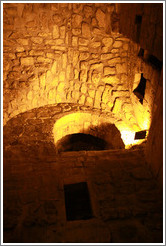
x=105, y=136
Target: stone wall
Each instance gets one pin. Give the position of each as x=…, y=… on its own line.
x=65, y=53
x=143, y=23
x=154, y=147
x=126, y=203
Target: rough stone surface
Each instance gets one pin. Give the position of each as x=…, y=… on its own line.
x=45, y=43
x=57, y=44
x=126, y=203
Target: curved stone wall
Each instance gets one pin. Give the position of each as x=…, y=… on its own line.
x=77, y=56
x=70, y=57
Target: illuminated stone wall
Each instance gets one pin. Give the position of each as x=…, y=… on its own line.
x=143, y=23
x=65, y=53
x=68, y=69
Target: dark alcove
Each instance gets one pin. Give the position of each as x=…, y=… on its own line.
x=81, y=141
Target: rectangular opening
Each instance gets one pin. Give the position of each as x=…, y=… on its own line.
x=77, y=202
x=139, y=91
x=140, y=135
x=141, y=52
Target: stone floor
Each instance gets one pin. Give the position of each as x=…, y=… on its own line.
x=125, y=200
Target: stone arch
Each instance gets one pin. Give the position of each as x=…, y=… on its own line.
x=113, y=130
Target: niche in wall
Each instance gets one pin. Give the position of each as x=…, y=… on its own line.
x=81, y=141
x=140, y=90
x=140, y=135
x=77, y=201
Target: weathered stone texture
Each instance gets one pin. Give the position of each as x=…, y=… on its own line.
x=44, y=50
x=125, y=199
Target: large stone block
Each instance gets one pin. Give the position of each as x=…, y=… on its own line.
x=97, y=66
x=60, y=88
x=23, y=41
x=94, y=22
x=13, y=75
x=86, y=30
x=57, y=19
x=109, y=71
x=91, y=93
x=106, y=97
x=64, y=60
x=117, y=106
x=95, y=45
x=83, y=48
x=55, y=32
x=74, y=41
x=100, y=16
x=84, y=55
x=117, y=44
x=88, y=11
x=62, y=31
x=114, y=61
x=50, y=55
x=77, y=7
x=54, y=68
x=96, y=77
x=37, y=40
x=89, y=101
x=123, y=93
x=98, y=95
x=27, y=61
x=76, y=73
x=121, y=68
x=83, y=75
x=107, y=41
x=76, y=31
x=113, y=80
x=44, y=60
x=82, y=99
x=96, y=31
x=83, y=88
x=20, y=49
x=36, y=53
x=84, y=65
x=58, y=48
x=62, y=76
x=76, y=20
x=106, y=56
x=75, y=95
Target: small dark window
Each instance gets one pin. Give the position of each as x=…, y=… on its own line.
x=140, y=90
x=141, y=52
x=77, y=201
x=140, y=135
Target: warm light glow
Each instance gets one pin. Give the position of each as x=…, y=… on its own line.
x=127, y=137
x=75, y=123
x=79, y=122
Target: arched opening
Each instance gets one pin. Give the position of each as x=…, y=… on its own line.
x=81, y=141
